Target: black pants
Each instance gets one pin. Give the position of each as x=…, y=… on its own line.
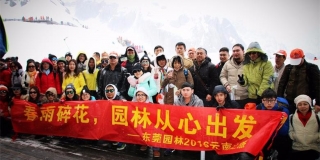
x=305, y=155
x=5, y=127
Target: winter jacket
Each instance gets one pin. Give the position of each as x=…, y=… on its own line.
x=26, y=80
x=304, y=137
x=78, y=82
x=44, y=81
x=178, y=78
x=229, y=77
x=187, y=63
x=278, y=73
x=81, y=65
x=228, y=102
x=146, y=81
x=16, y=76
x=115, y=97
x=127, y=64
x=5, y=77
x=160, y=71
x=284, y=130
x=194, y=102
x=208, y=75
x=55, y=99
x=116, y=77
x=90, y=76
x=297, y=80
x=258, y=75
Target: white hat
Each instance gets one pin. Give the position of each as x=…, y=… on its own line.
x=302, y=98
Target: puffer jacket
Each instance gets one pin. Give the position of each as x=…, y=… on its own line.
x=208, y=74
x=258, y=75
x=146, y=81
x=304, y=137
x=229, y=76
x=194, y=102
x=43, y=81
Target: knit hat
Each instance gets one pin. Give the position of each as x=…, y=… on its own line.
x=219, y=89
x=302, y=98
x=70, y=86
x=145, y=57
x=254, y=47
x=62, y=59
x=186, y=84
x=3, y=88
x=51, y=57
x=137, y=66
x=68, y=54
x=296, y=56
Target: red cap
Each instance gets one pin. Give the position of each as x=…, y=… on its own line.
x=282, y=53
x=296, y=56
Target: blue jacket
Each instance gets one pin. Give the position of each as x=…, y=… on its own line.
x=146, y=81
x=284, y=130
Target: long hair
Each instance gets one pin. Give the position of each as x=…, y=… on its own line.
x=68, y=72
x=38, y=95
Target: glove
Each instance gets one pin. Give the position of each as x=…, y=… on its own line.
x=39, y=104
x=26, y=84
x=241, y=80
x=132, y=81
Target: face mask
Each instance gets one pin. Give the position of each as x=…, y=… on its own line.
x=131, y=56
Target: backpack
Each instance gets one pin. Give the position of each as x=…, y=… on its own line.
x=317, y=117
x=185, y=71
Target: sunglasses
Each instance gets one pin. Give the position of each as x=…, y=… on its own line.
x=104, y=61
x=3, y=91
x=69, y=92
x=109, y=90
x=250, y=53
x=135, y=71
x=113, y=57
x=54, y=59
x=31, y=66
x=32, y=92
x=50, y=94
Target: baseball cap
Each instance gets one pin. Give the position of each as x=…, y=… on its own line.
x=130, y=48
x=296, y=56
x=114, y=54
x=282, y=53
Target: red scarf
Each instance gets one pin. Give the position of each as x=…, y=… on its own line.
x=304, y=118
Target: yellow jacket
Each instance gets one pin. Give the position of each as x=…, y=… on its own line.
x=78, y=82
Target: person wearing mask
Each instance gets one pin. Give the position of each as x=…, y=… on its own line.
x=131, y=58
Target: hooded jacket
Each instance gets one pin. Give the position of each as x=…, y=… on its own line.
x=229, y=77
x=90, y=75
x=44, y=81
x=146, y=81
x=187, y=63
x=81, y=65
x=78, y=82
x=55, y=99
x=228, y=102
x=127, y=64
x=160, y=71
x=75, y=95
x=115, y=97
x=194, y=102
x=258, y=74
x=149, y=98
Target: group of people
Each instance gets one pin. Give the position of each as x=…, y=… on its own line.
x=239, y=80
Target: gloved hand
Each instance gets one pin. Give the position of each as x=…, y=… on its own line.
x=241, y=80
x=39, y=104
x=132, y=81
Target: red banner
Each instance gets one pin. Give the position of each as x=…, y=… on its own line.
x=177, y=127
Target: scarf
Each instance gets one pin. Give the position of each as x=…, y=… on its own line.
x=304, y=119
x=32, y=76
x=131, y=57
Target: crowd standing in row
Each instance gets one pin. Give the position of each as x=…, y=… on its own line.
x=246, y=77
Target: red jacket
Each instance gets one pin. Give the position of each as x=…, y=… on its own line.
x=5, y=77
x=43, y=81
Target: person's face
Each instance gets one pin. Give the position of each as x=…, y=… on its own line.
x=113, y=60
x=186, y=92
x=50, y=96
x=220, y=97
x=91, y=63
x=110, y=92
x=141, y=97
x=9, y=62
x=31, y=67
x=3, y=93
x=176, y=65
x=130, y=52
x=70, y=93
x=96, y=56
x=145, y=63
x=72, y=66
x=45, y=66
x=16, y=91
x=192, y=54
x=253, y=55
x=68, y=58
x=157, y=51
x=61, y=65
x=303, y=107
x=237, y=53
x=224, y=55
x=137, y=73
x=180, y=50
x=162, y=62
x=82, y=57
x=13, y=67
x=279, y=60
x=104, y=62
x=85, y=96
x=201, y=55
x=269, y=102
x=33, y=93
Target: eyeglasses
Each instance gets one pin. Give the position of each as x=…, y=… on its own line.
x=109, y=90
x=135, y=71
x=269, y=100
x=250, y=53
x=104, y=61
x=31, y=66
x=32, y=92
x=141, y=95
x=49, y=94
x=54, y=59
x=113, y=57
x=3, y=91
x=69, y=92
